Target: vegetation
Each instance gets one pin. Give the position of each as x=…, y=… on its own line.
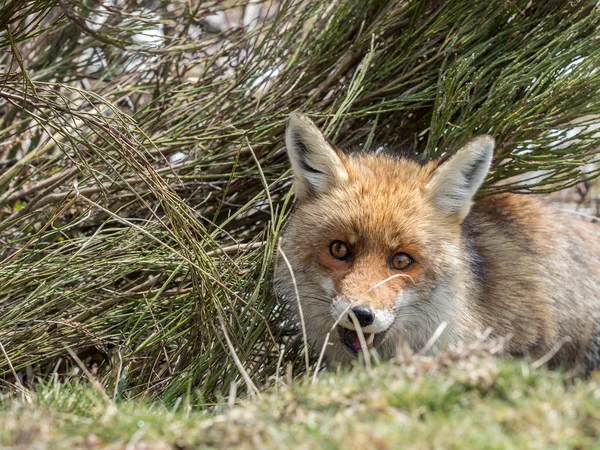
x=144, y=183
x=460, y=400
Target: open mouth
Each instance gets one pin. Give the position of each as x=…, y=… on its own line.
x=351, y=340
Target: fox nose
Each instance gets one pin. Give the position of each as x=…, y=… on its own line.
x=364, y=315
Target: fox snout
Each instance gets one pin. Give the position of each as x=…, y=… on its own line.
x=364, y=315
x=370, y=319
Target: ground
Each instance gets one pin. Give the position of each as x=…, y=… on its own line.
x=461, y=399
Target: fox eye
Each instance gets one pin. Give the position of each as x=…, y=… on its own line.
x=401, y=261
x=339, y=250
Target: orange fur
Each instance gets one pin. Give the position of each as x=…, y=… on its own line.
x=510, y=262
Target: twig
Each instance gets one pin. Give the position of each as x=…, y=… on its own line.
x=252, y=389
x=300, y=312
x=21, y=388
x=97, y=386
x=233, y=249
x=553, y=351
x=434, y=337
x=361, y=338
x=321, y=355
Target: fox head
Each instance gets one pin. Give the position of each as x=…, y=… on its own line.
x=375, y=243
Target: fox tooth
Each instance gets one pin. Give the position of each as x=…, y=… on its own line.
x=370, y=339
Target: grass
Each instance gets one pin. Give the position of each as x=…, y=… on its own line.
x=144, y=187
x=464, y=399
x=143, y=177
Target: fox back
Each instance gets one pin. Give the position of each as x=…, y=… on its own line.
x=384, y=251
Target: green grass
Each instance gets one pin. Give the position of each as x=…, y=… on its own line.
x=467, y=400
x=131, y=261
x=140, y=266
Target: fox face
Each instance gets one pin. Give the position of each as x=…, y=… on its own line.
x=375, y=244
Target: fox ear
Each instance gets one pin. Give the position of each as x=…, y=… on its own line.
x=317, y=166
x=455, y=182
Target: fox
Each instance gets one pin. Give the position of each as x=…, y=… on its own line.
x=385, y=250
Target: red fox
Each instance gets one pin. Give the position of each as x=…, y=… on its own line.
x=399, y=247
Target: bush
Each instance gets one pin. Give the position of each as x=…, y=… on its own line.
x=144, y=183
